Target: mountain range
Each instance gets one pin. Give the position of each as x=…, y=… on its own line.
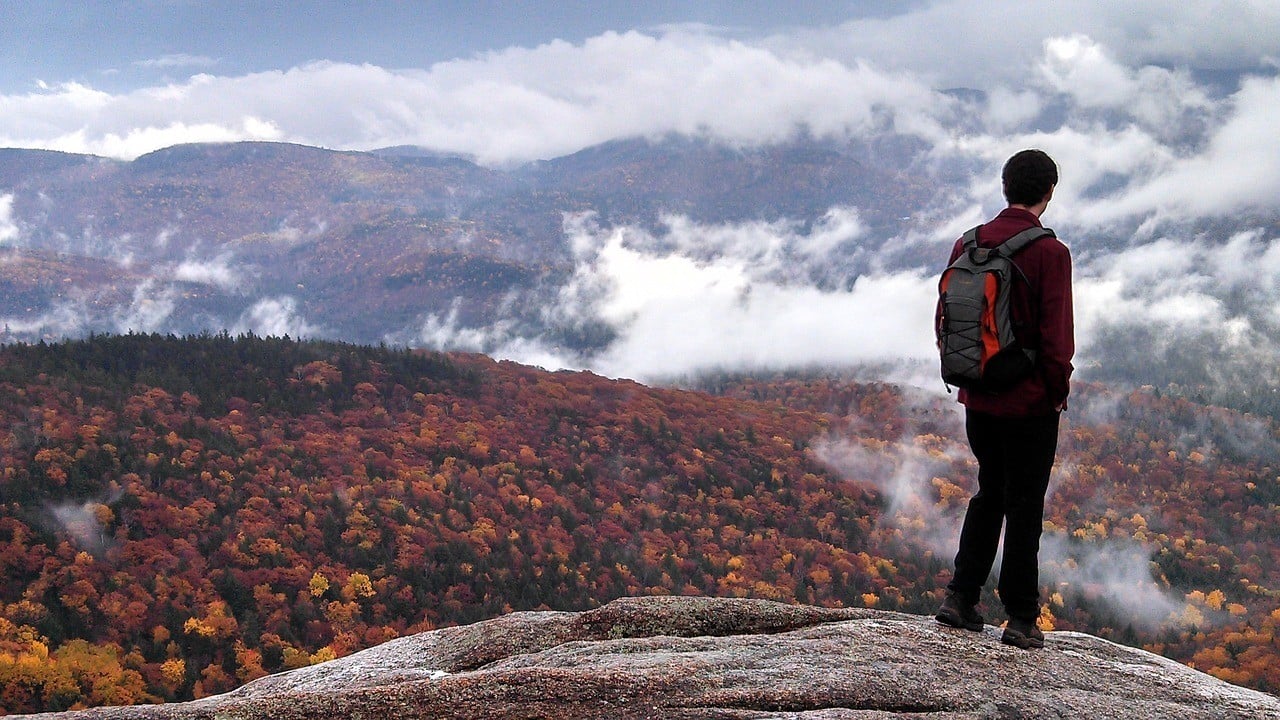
x=600, y=258
x=364, y=246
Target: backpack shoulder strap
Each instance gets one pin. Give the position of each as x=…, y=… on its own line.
x=970, y=237
x=1011, y=246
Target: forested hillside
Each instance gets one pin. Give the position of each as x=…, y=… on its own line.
x=181, y=515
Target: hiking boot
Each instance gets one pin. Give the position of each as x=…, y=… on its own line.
x=959, y=614
x=1023, y=634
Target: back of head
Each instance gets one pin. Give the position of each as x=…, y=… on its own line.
x=1028, y=176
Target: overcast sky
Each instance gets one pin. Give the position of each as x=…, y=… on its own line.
x=1162, y=115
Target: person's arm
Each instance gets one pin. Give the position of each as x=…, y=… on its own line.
x=1057, y=325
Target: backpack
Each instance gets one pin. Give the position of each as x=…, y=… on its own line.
x=974, y=325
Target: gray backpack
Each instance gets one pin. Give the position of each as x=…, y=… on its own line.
x=974, y=325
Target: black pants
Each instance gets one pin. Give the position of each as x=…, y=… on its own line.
x=1015, y=456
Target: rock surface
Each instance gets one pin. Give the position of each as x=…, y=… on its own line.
x=706, y=658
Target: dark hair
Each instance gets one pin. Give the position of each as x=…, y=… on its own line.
x=1028, y=176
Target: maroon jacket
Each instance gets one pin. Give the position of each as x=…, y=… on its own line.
x=1042, y=319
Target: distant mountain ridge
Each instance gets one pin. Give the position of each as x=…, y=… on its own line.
x=365, y=245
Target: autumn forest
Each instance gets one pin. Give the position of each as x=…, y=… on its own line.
x=179, y=516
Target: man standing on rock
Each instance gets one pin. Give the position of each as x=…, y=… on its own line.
x=1014, y=432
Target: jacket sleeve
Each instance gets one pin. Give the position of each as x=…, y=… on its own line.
x=1057, y=325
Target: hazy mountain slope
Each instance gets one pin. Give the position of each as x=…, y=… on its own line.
x=363, y=246
x=638, y=181
x=18, y=165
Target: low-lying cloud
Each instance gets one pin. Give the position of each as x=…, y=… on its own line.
x=1114, y=571
x=904, y=472
x=64, y=318
x=694, y=297
x=735, y=296
x=216, y=271
x=8, y=228
x=925, y=481
x=738, y=296
x=275, y=316
x=83, y=523
x=149, y=310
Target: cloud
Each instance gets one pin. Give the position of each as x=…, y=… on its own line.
x=694, y=297
x=1113, y=98
x=275, y=317
x=81, y=522
x=721, y=322
x=1235, y=171
x=1227, y=289
x=926, y=479
x=1114, y=571
x=150, y=307
x=908, y=474
x=64, y=318
x=176, y=60
x=1206, y=161
x=1159, y=98
x=1080, y=67
x=515, y=105
x=994, y=42
x=501, y=339
x=736, y=296
x=8, y=228
x=444, y=332
x=216, y=271
x=136, y=141
x=914, y=475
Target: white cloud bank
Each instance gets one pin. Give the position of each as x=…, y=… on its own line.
x=742, y=307
x=516, y=105
x=716, y=296
x=742, y=297
x=1123, y=106
x=970, y=43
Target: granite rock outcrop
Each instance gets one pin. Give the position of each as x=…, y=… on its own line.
x=709, y=658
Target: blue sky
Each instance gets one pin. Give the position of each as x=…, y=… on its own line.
x=121, y=45
x=125, y=45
